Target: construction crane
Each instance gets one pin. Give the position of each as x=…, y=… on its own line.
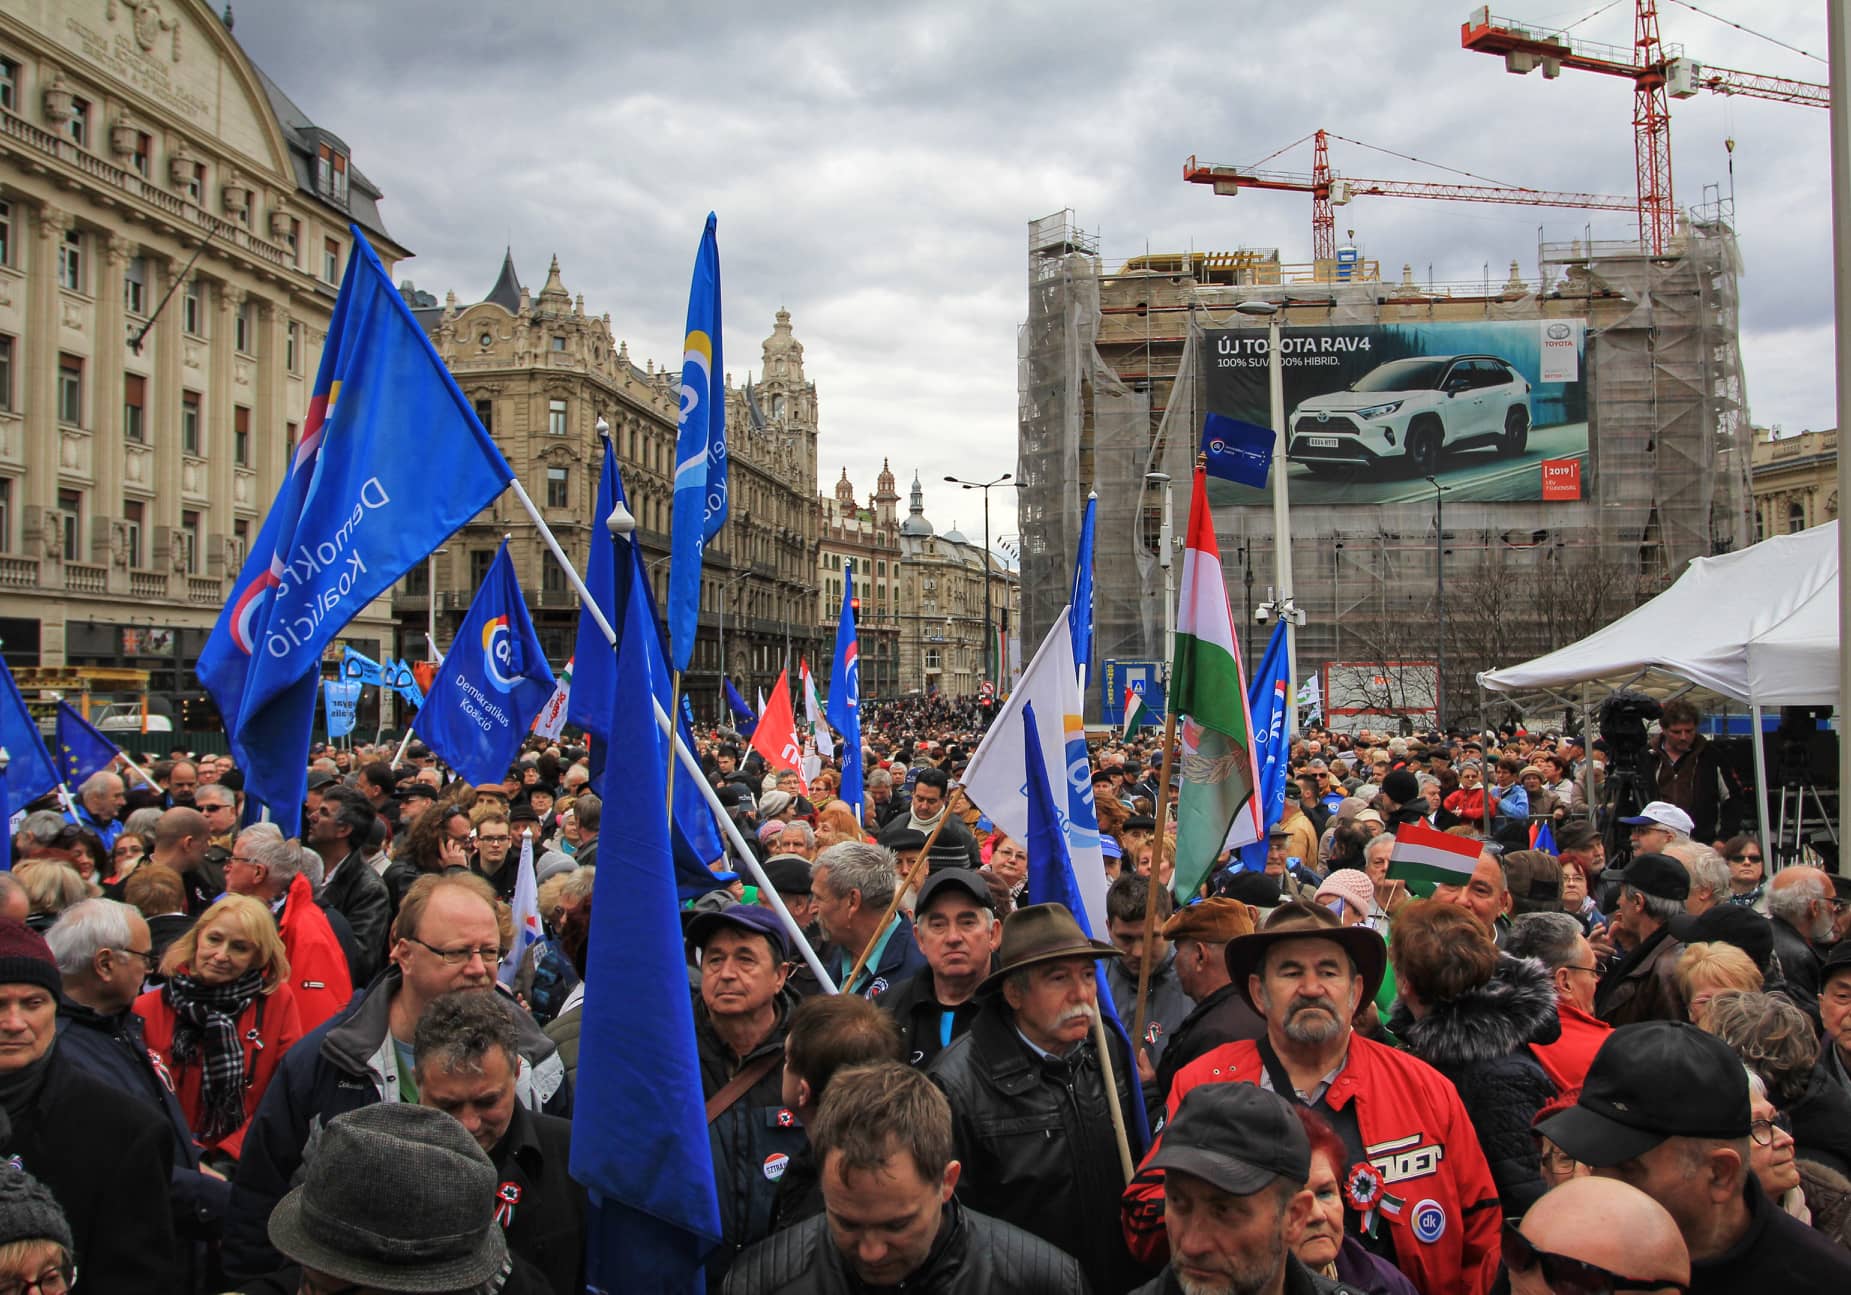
x=1329, y=190
x=1659, y=73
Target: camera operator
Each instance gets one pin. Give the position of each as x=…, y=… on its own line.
x=1687, y=772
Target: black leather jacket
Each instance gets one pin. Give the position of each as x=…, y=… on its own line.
x=974, y=1252
x=1035, y=1139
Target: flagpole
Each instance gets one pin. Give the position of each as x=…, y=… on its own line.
x=913, y=876
x=674, y=708
x=403, y=746
x=1108, y=1071
x=765, y=889
x=1156, y=868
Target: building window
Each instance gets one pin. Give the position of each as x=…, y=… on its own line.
x=558, y=483
x=559, y=344
x=142, y=158
x=6, y=373
x=331, y=260
x=194, y=186
x=133, y=518
x=289, y=442
x=556, y=417
x=71, y=260
x=480, y=560
x=485, y=414
x=189, y=422
x=78, y=127
x=192, y=309
x=9, y=85
x=292, y=239
x=71, y=510
x=6, y=514
x=239, y=546
x=331, y=173
x=6, y=233
x=135, y=286
x=292, y=336
x=70, y=390
x=134, y=405
x=241, y=436
x=1796, y=517
x=552, y=579
x=243, y=331
x=189, y=541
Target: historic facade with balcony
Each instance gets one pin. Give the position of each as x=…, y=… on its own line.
x=866, y=541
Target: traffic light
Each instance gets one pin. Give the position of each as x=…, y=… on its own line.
x=854, y=608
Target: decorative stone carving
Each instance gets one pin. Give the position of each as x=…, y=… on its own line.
x=243, y=488
x=48, y=531
x=190, y=471
x=73, y=314
x=149, y=23
x=136, y=461
x=242, y=371
x=60, y=103
x=195, y=354
x=73, y=451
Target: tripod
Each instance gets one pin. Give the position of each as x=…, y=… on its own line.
x=1628, y=792
x=1789, y=840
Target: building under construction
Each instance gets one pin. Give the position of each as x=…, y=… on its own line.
x=1113, y=385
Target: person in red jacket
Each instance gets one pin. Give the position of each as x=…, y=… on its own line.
x=1417, y=1183
x=266, y=867
x=224, y=1018
x=1556, y=941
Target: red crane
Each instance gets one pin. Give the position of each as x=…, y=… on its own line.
x=1329, y=190
x=1659, y=73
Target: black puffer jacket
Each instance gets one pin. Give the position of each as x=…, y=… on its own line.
x=974, y=1252
x=1480, y=1041
x=1035, y=1138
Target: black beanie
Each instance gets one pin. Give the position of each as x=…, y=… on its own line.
x=27, y=1210
x=1401, y=787
x=25, y=958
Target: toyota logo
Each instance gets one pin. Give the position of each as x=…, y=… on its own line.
x=1559, y=332
x=1323, y=415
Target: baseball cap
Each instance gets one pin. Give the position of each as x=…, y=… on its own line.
x=1212, y=921
x=320, y=778
x=1661, y=813
x=1657, y=874
x=1369, y=816
x=955, y=879
x=1238, y=1137
x=1625, y=1109
x=744, y=917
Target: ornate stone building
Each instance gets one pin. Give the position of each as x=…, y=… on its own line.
x=869, y=538
x=541, y=372
x=1794, y=480
x=172, y=232
x=942, y=617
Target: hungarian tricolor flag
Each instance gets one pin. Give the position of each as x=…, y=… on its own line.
x=1209, y=693
x=1137, y=714
x=551, y=721
x=1425, y=858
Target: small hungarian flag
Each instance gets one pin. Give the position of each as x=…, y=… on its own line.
x=1425, y=858
x=1137, y=714
x=551, y=721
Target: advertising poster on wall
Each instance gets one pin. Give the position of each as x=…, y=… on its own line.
x=1491, y=409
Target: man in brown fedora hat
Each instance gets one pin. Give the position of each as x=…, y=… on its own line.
x=1420, y=1187
x=1200, y=933
x=1031, y=1118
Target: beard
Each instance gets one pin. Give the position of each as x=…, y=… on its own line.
x=1246, y=1279
x=1311, y=1021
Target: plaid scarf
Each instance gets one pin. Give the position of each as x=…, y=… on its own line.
x=206, y=1032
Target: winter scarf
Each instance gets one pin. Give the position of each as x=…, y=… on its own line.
x=206, y=1032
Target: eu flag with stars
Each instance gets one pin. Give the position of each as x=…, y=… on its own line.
x=492, y=684
x=1236, y=450
x=844, y=710
x=30, y=772
x=81, y=749
x=700, y=451
x=360, y=505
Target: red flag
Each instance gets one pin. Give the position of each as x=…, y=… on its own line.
x=775, y=738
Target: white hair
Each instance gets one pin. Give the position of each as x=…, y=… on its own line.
x=85, y=929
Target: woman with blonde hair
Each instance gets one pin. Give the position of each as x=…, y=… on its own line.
x=1708, y=969
x=51, y=886
x=224, y=1018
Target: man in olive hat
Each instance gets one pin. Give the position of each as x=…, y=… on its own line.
x=1029, y=1063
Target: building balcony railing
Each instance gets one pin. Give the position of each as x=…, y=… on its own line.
x=81, y=578
x=144, y=585
x=204, y=590
x=19, y=573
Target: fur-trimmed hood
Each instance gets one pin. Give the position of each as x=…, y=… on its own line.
x=1513, y=1009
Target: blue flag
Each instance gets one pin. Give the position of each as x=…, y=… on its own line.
x=1051, y=881
x=594, y=669
x=1541, y=838
x=745, y=720
x=30, y=772
x=639, y=1135
x=81, y=749
x=358, y=666
x=359, y=507
x=343, y=703
x=1081, y=601
x=700, y=451
x=492, y=683
x=1267, y=696
x=399, y=677
x=1237, y=451
x=844, y=709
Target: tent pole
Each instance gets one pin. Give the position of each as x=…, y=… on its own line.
x=1767, y=855
x=1838, y=39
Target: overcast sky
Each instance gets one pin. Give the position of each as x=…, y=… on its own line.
x=875, y=168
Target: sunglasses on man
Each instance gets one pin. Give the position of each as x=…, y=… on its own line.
x=1573, y=1276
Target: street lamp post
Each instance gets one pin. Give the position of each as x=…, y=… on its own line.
x=724, y=589
x=430, y=597
x=1439, y=594
x=989, y=671
x=1166, y=542
x=1282, y=531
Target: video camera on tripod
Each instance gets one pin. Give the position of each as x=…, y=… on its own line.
x=1629, y=787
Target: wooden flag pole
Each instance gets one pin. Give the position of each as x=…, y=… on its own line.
x=912, y=879
x=674, y=717
x=1108, y=1071
x=1156, y=869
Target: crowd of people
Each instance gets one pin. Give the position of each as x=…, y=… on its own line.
x=239, y=1055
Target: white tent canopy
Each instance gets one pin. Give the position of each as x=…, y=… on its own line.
x=1758, y=627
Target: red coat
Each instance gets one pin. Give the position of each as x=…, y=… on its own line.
x=1446, y=1229
x=269, y=1027
x=1567, y=1059
x=317, y=967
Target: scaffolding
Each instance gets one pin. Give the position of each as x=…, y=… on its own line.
x=1111, y=389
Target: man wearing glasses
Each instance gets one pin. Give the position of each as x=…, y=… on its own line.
x=494, y=841
x=445, y=938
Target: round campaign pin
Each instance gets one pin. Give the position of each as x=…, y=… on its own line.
x=1429, y=1221
x=775, y=1164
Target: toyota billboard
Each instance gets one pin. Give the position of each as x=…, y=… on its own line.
x=1492, y=410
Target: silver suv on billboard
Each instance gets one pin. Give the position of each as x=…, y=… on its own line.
x=1399, y=416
